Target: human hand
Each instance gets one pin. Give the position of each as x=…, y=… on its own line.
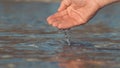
x=74, y=13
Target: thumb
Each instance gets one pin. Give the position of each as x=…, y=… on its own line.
x=64, y=4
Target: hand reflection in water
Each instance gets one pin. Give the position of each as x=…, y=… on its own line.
x=70, y=59
x=79, y=63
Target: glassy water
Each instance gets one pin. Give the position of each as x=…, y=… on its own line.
x=27, y=41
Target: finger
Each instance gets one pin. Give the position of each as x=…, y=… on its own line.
x=64, y=4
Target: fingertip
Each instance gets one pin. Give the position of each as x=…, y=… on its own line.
x=49, y=20
x=55, y=24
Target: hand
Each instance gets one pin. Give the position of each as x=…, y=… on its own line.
x=73, y=13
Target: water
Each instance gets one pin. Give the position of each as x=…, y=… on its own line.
x=27, y=41
x=67, y=36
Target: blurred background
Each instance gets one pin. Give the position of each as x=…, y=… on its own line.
x=30, y=0
x=27, y=41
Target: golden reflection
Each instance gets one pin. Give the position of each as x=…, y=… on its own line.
x=80, y=63
x=69, y=58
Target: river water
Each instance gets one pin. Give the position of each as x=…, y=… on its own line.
x=27, y=41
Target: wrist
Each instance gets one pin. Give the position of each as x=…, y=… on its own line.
x=103, y=3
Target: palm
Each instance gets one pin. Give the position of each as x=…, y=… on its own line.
x=73, y=13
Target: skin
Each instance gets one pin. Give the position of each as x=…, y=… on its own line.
x=73, y=13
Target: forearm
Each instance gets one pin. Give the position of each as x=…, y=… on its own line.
x=103, y=3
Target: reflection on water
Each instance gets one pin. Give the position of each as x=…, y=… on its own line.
x=26, y=41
